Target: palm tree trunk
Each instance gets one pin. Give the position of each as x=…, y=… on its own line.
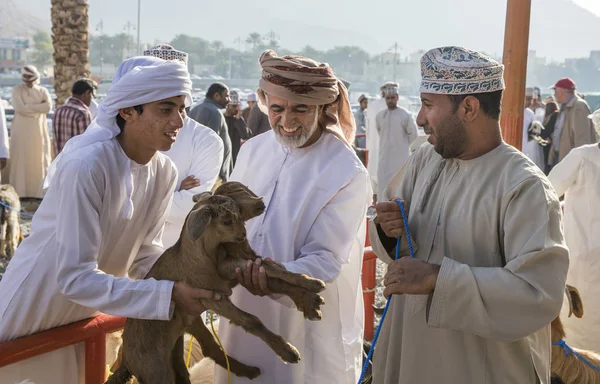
x=71, y=45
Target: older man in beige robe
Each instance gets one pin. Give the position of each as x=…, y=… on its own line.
x=488, y=277
x=30, y=150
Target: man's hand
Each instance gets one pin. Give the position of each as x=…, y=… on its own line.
x=188, y=297
x=189, y=183
x=389, y=217
x=408, y=275
x=3, y=163
x=254, y=278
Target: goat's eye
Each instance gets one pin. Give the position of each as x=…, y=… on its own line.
x=228, y=222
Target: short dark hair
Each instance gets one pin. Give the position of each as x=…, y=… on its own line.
x=81, y=86
x=490, y=102
x=215, y=88
x=121, y=121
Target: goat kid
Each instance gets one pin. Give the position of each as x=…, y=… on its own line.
x=10, y=229
x=152, y=350
x=566, y=366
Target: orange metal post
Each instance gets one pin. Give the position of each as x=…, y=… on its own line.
x=368, y=283
x=516, y=44
x=95, y=359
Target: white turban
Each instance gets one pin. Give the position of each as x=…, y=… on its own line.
x=29, y=73
x=139, y=80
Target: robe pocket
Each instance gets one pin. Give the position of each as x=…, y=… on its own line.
x=416, y=303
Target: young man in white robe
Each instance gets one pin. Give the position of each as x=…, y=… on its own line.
x=316, y=192
x=100, y=224
x=488, y=277
x=372, y=135
x=397, y=131
x=577, y=177
x=197, y=154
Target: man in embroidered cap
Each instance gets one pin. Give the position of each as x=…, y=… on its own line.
x=397, y=130
x=30, y=147
x=373, y=135
x=577, y=177
x=317, y=192
x=100, y=224
x=197, y=154
x=490, y=262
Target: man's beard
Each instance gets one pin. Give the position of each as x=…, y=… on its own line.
x=298, y=140
x=451, y=138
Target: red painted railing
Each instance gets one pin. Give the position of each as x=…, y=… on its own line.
x=91, y=331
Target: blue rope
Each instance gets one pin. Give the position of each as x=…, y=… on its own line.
x=387, y=303
x=19, y=212
x=568, y=349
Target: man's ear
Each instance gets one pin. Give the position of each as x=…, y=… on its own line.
x=127, y=114
x=472, y=107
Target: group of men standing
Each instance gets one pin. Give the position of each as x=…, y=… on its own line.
x=474, y=304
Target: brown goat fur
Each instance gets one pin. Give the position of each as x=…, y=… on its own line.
x=212, y=245
x=10, y=229
x=570, y=369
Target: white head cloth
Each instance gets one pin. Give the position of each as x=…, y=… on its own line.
x=139, y=80
x=596, y=119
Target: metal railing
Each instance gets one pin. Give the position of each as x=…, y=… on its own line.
x=90, y=331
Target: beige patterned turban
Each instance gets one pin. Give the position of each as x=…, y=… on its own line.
x=302, y=80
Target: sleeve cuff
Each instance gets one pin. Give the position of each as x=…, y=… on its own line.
x=165, y=306
x=436, y=300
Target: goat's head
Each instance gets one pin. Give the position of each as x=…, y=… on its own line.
x=575, y=308
x=248, y=203
x=220, y=215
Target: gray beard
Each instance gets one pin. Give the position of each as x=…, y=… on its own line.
x=295, y=141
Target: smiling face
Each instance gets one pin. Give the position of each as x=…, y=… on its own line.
x=157, y=126
x=439, y=119
x=295, y=125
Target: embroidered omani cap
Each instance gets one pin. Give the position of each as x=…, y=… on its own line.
x=459, y=71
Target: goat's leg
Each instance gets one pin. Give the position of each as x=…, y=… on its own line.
x=252, y=324
x=309, y=303
x=182, y=376
x=211, y=349
x=228, y=265
x=156, y=371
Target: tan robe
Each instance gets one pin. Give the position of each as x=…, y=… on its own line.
x=30, y=149
x=494, y=225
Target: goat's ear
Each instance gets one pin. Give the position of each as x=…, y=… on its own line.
x=575, y=302
x=199, y=196
x=198, y=220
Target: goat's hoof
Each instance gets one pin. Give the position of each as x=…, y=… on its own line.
x=250, y=372
x=314, y=285
x=313, y=315
x=290, y=354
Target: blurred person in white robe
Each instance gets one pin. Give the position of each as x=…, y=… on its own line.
x=577, y=178
x=197, y=154
x=316, y=192
x=397, y=131
x=100, y=225
x=372, y=135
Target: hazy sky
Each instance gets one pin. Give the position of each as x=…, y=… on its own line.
x=373, y=25
x=591, y=5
